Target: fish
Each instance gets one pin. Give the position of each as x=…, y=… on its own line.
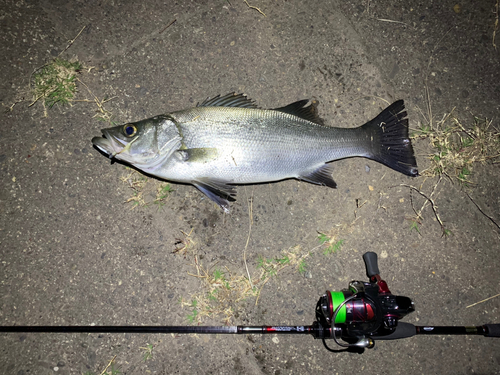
x=228, y=140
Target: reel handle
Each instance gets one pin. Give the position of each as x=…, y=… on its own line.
x=371, y=264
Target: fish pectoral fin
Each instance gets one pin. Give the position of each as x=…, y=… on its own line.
x=197, y=155
x=320, y=176
x=218, y=191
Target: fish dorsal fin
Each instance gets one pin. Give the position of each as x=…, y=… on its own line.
x=229, y=100
x=299, y=109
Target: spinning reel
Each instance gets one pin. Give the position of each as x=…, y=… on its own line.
x=363, y=312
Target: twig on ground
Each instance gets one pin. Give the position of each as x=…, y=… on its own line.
x=480, y=210
x=72, y=41
x=250, y=219
x=257, y=9
x=431, y=201
x=166, y=27
x=392, y=21
x=484, y=300
x=100, y=103
x=109, y=364
x=496, y=25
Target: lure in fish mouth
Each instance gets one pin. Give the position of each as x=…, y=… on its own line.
x=227, y=141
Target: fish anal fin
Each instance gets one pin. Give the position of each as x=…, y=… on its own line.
x=218, y=191
x=321, y=176
x=229, y=100
x=299, y=109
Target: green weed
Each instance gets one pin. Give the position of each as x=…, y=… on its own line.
x=456, y=147
x=332, y=245
x=162, y=193
x=333, y=248
x=270, y=267
x=55, y=83
x=414, y=226
x=141, y=188
x=302, y=266
x=148, y=352
x=224, y=290
x=192, y=317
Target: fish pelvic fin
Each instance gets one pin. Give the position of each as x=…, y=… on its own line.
x=394, y=147
x=218, y=191
x=320, y=176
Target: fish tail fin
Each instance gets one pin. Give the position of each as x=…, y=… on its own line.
x=394, y=147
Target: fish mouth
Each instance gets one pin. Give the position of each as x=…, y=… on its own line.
x=108, y=144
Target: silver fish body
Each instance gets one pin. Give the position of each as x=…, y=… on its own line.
x=227, y=141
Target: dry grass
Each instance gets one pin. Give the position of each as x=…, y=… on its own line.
x=143, y=193
x=457, y=148
x=224, y=290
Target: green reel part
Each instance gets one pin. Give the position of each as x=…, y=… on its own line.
x=337, y=299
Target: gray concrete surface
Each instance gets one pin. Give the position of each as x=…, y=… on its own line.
x=73, y=252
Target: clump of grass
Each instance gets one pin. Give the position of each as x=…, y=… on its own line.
x=191, y=318
x=147, y=352
x=137, y=182
x=331, y=244
x=55, y=82
x=224, y=290
x=456, y=147
x=140, y=187
x=270, y=267
x=302, y=266
x=162, y=193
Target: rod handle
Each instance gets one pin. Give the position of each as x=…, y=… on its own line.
x=493, y=330
x=403, y=331
x=371, y=263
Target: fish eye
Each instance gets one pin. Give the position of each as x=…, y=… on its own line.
x=129, y=130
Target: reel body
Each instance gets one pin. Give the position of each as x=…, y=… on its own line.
x=364, y=310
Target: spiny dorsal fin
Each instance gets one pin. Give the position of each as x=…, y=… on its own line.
x=299, y=109
x=229, y=100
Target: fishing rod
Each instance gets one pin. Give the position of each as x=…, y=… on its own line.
x=353, y=318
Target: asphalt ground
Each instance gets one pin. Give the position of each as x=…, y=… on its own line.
x=74, y=252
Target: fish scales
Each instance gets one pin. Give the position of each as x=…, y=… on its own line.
x=258, y=145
